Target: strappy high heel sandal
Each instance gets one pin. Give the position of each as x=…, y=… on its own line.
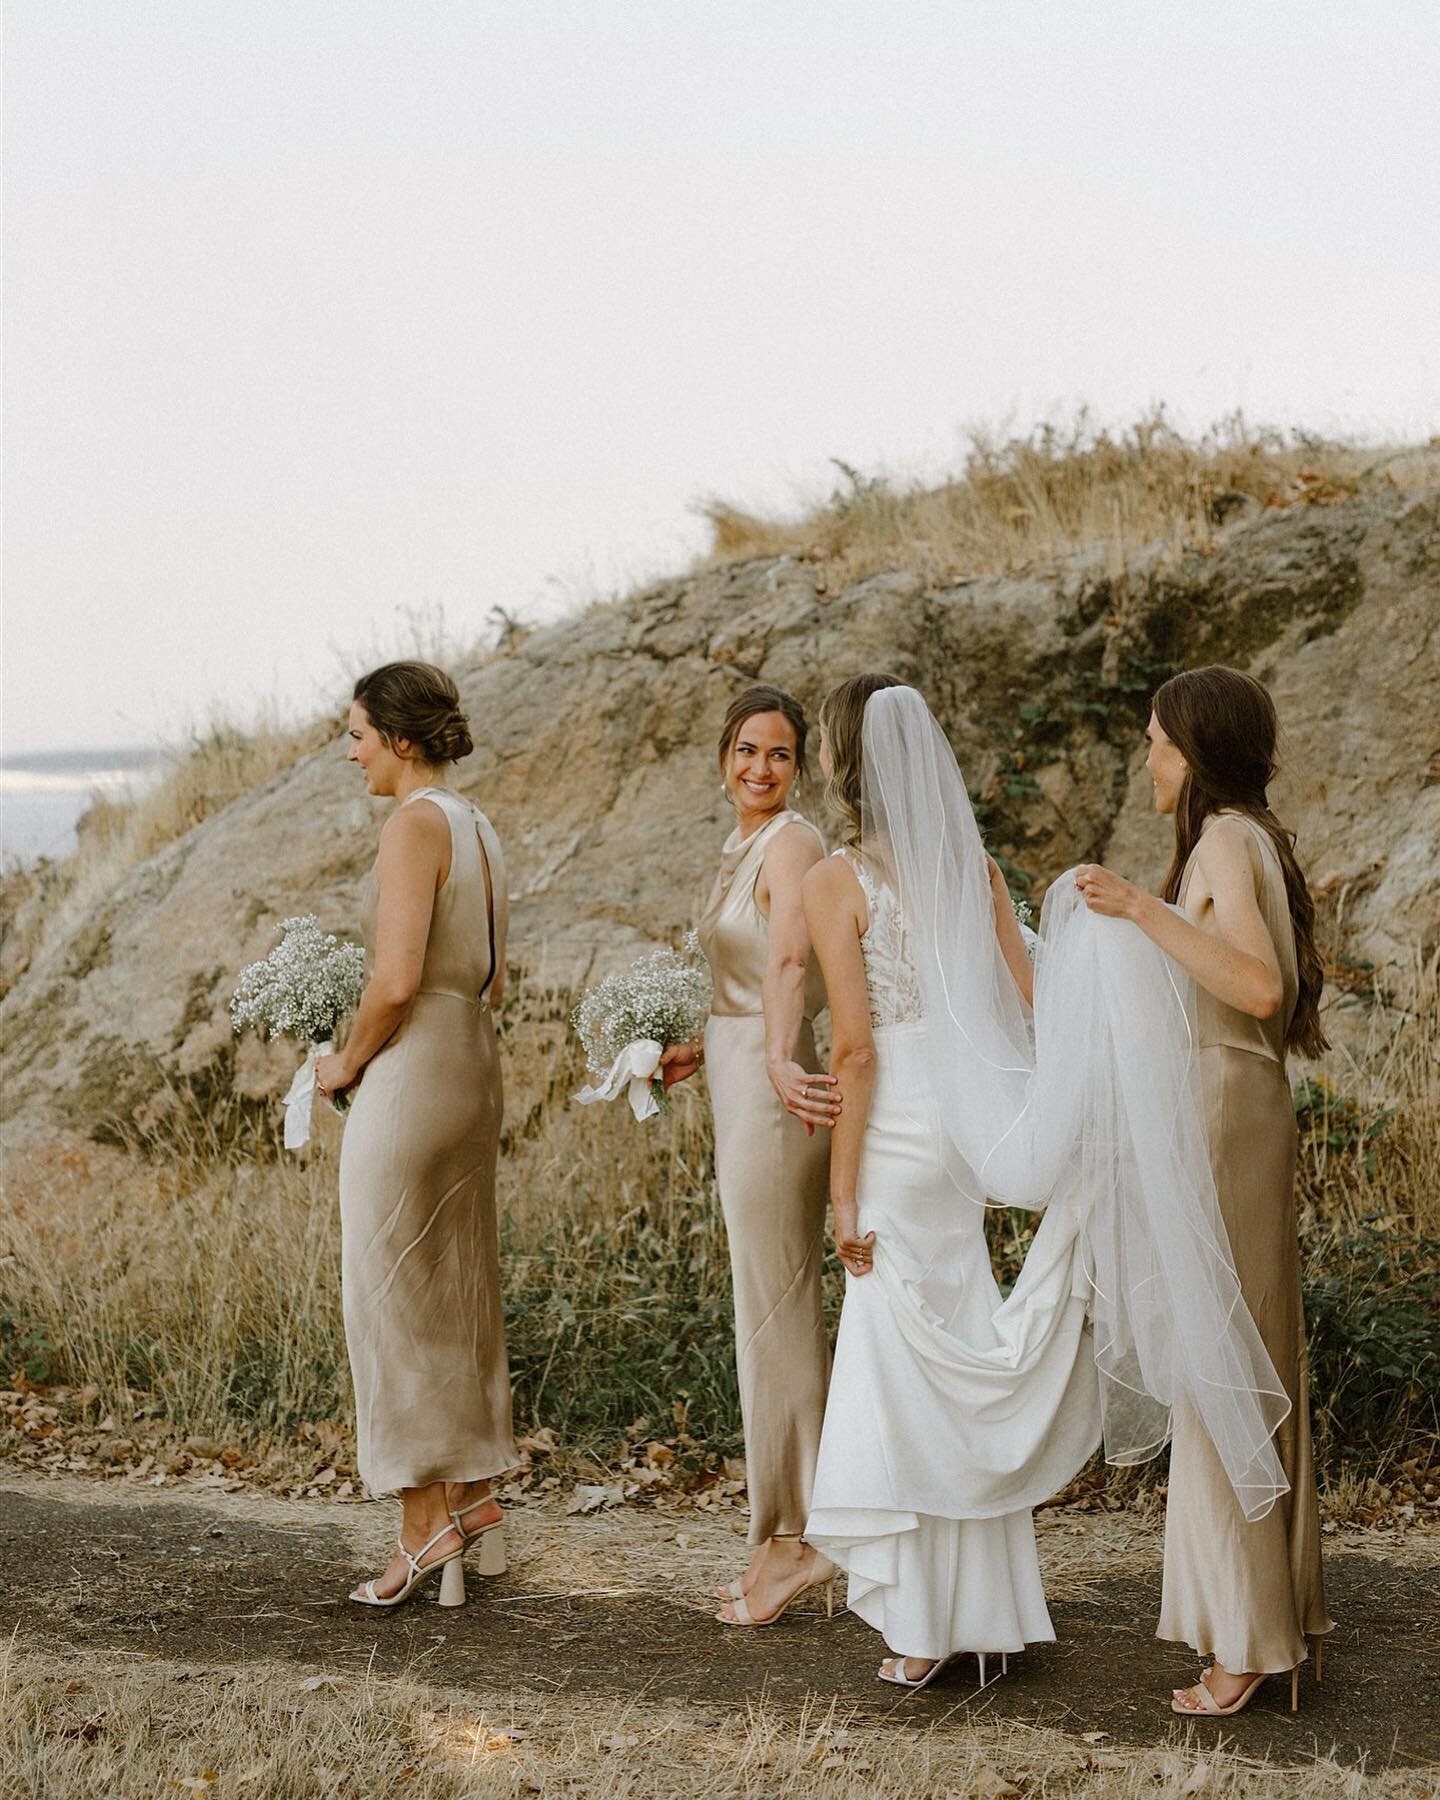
x=448, y=1568
x=893, y=1668
x=489, y=1559
x=1210, y=1707
x=822, y=1570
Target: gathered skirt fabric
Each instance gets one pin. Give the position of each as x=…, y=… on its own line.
x=774, y=1191
x=951, y=1413
x=420, y=1253
x=1249, y=1593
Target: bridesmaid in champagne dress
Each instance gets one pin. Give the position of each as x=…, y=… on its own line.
x=420, y=1252
x=1250, y=1594
x=772, y=1118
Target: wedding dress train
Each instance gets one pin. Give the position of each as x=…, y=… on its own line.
x=951, y=1413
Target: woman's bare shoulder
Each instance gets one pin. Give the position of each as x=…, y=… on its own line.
x=794, y=848
x=415, y=826
x=833, y=878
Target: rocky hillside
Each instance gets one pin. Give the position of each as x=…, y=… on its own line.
x=595, y=758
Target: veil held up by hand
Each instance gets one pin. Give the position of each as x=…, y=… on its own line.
x=1093, y=1104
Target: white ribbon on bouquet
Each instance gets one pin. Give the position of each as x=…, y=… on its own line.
x=634, y=1071
x=300, y=1097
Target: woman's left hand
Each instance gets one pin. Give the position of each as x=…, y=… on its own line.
x=1107, y=893
x=333, y=1075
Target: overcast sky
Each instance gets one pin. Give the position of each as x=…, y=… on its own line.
x=316, y=312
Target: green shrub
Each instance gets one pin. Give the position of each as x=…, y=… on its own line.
x=1372, y=1305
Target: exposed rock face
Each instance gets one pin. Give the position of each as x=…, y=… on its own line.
x=595, y=757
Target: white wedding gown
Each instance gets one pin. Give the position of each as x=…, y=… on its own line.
x=951, y=1413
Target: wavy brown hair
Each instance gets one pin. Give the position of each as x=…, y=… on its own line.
x=420, y=703
x=1223, y=723
x=762, y=698
x=842, y=719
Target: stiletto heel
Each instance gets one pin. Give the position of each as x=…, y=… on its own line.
x=1295, y=1688
x=821, y=1570
x=452, y=1582
x=1317, y=1644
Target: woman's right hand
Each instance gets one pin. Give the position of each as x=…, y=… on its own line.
x=812, y=1099
x=678, y=1062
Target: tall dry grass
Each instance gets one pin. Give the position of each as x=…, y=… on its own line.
x=203, y=1285
x=1037, y=498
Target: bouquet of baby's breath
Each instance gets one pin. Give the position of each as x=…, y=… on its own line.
x=627, y=1020
x=302, y=989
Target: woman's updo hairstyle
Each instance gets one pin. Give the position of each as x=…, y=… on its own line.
x=763, y=699
x=419, y=703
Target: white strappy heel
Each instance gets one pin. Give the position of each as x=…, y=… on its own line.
x=893, y=1668
x=447, y=1567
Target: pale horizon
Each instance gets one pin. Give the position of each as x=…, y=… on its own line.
x=352, y=314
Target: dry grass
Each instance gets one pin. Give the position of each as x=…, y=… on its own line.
x=196, y=1294
x=1373, y=1130
x=130, y=1728
x=1039, y=498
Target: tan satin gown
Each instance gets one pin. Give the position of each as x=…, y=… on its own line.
x=774, y=1191
x=1249, y=1593
x=420, y=1251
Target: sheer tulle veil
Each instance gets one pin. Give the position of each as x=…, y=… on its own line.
x=1094, y=1103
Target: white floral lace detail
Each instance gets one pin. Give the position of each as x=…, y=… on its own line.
x=890, y=976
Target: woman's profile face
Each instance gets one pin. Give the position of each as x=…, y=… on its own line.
x=827, y=761
x=1166, y=767
x=381, y=764
x=761, y=767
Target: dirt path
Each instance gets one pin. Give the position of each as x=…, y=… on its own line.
x=614, y=1605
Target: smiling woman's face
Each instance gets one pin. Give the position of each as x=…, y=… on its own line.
x=1166, y=766
x=761, y=767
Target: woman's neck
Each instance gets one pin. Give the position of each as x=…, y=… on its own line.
x=415, y=776
x=750, y=822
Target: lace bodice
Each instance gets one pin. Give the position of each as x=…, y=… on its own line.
x=890, y=976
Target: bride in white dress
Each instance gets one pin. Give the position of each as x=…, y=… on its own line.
x=952, y=1411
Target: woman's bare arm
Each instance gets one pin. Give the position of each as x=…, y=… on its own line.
x=1239, y=965
x=811, y=1098
x=1007, y=932
x=414, y=859
x=836, y=916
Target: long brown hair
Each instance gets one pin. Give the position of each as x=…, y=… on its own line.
x=762, y=698
x=1223, y=723
x=842, y=718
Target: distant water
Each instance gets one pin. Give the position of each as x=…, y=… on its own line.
x=44, y=795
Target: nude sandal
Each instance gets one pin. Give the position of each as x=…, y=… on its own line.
x=447, y=1567
x=1210, y=1707
x=490, y=1559
x=897, y=1677
x=823, y=1570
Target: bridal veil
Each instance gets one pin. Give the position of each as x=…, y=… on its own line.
x=1095, y=1101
